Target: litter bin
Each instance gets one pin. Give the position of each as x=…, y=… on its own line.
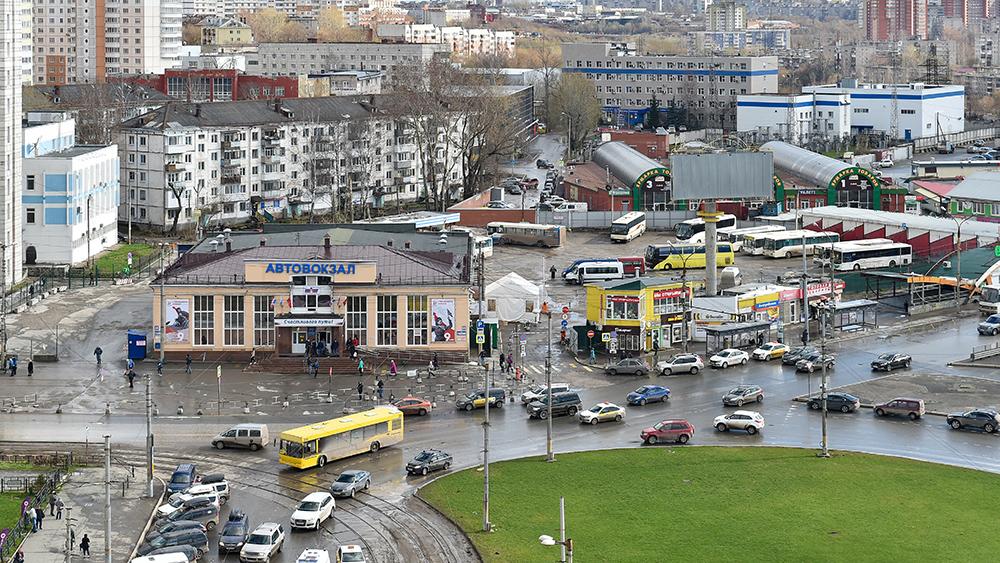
x=136, y=344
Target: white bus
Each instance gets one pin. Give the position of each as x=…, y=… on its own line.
x=736, y=237
x=596, y=271
x=689, y=231
x=529, y=234
x=628, y=226
x=794, y=243
x=483, y=246
x=865, y=254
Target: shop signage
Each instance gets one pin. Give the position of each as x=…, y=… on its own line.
x=623, y=299
x=766, y=305
x=325, y=268
x=307, y=322
x=668, y=293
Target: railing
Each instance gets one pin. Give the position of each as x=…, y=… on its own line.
x=38, y=492
x=985, y=351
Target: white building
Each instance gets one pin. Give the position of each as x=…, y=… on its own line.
x=10, y=142
x=409, y=32
x=355, y=82
x=810, y=115
x=74, y=42
x=192, y=58
x=725, y=16
x=70, y=197
x=462, y=42
x=27, y=24
x=203, y=7
x=292, y=59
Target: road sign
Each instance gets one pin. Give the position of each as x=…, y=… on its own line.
x=565, y=310
x=605, y=337
x=565, y=316
x=480, y=338
x=564, y=323
x=996, y=249
x=614, y=335
x=480, y=325
x=590, y=334
x=524, y=349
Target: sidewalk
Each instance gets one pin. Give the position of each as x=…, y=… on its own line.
x=83, y=494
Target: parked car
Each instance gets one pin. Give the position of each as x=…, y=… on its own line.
x=168, y=526
x=843, y=402
x=990, y=326
x=183, y=477
x=350, y=482
x=530, y=183
x=235, y=532
x=266, y=540
x=602, y=412
x=889, y=362
x=986, y=420
x=190, y=536
x=186, y=501
x=635, y=366
x=567, y=403
x=312, y=511
x=911, y=408
x=886, y=162
x=413, y=405
x=536, y=391
x=680, y=363
x=945, y=147
x=977, y=148
x=983, y=156
x=814, y=362
x=544, y=206
x=648, y=394
x=427, y=461
x=207, y=514
x=743, y=394
x=751, y=421
x=680, y=431
x=314, y=556
x=499, y=205
x=514, y=190
x=190, y=555
x=729, y=357
x=350, y=554
x=247, y=435
x=769, y=351
x=541, y=163
x=555, y=200
x=477, y=399
x=795, y=354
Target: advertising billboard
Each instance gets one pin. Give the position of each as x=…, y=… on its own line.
x=744, y=175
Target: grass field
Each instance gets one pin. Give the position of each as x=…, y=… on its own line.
x=116, y=259
x=10, y=509
x=727, y=504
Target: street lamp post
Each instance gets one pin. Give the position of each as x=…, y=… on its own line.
x=549, y=453
x=163, y=303
x=958, y=260
x=566, y=544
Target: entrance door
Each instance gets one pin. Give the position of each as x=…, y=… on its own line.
x=299, y=338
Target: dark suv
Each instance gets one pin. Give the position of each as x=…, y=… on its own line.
x=986, y=420
x=567, y=403
x=235, y=532
x=843, y=402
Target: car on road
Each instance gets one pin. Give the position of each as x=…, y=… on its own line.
x=796, y=354
x=168, y=526
x=235, y=532
x=680, y=363
x=886, y=162
x=314, y=556
x=530, y=183
x=500, y=205
x=555, y=200
x=990, y=326
x=186, y=501
x=191, y=536
x=477, y=399
x=648, y=394
x=190, y=554
x=183, y=477
x=602, y=412
x=814, y=362
x=567, y=403
x=983, y=156
x=728, y=357
x=246, y=435
x=843, y=402
x=350, y=554
x=266, y=540
x=543, y=206
x=678, y=430
x=413, y=405
x=891, y=361
x=427, y=461
x=312, y=511
x=751, y=421
x=514, y=190
x=741, y=394
x=536, y=391
x=977, y=148
x=541, y=163
x=769, y=351
x=986, y=420
x=635, y=366
x=207, y=514
x=350, y=482
x=910, y=408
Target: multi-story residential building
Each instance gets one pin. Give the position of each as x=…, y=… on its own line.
x=353, y=82
x=202, y=7
x=26, y=21
x=230, y=161
x=70, y=197
x=218, y=85
x=756, y=40
x=98, y=107
x=967, y=11
x=725, y=16
x=409, y=32
x=893, y=20
x=705, y=88
x=291, y=59
x=224, y=32
x=75, y=42
x=10, y=144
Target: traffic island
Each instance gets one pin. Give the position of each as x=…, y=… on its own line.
x=942, y=394
x=707, y=503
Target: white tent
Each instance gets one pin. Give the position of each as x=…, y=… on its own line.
x=514, y=299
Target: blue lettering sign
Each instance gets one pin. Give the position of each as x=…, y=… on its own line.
x=309, y=268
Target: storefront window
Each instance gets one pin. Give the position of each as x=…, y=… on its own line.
x=357, y=318
x=667, y=301
x=263, y=320
x=621, y=307
x=204, y=320
x=232, y=320
x=386, y=321
x=416, y=320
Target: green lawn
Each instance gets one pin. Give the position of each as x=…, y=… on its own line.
x=726, y=504
x=116, y=259
x=23, y=466
x=10, y=509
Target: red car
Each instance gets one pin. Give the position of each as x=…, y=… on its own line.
x=633, y=266
x=413, y=405
x=530, y=183
x=679, y=431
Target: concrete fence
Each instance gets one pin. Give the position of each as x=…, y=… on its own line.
x=963, y=138
x=655, y=220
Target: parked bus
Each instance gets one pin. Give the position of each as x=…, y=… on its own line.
x=596, y=271
x=483, y=246
x=790, y=243
x=736, y=237
x=865, y=254
x=628, y=226
x=686, y=256
x=687, y=230
x=318, y=444
x=989, y=299
x=529, y=234
x=753, y=243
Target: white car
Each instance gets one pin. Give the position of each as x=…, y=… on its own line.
x=263, y=543
x=314, y=556
x=729, y=357
x=602, y=412
x=350, y=554
x=680, y=363
x=180, y=500
x=751, y=421
x=886, y=162
x=536, y=392
x=555, y=200
x=769, y=351
x=313, y=511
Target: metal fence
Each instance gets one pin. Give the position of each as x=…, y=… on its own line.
x=964, y=137
x=655, y=220
x=37, y=494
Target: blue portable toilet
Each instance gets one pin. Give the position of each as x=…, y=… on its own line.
x=136, y=344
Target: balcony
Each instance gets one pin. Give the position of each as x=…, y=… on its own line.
x=404, y=164
x=232, y=143
x=273, y=189
x=271, y=141
x=177, y=148
x=271, y=158
x=173, y=167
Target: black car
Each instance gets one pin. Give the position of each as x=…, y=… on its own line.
x=889, y=362
x=544, y=206
x=236, y=531
x=429, y=460
x=843, y=402
x=165, y=526
x=190, y=537
x=540, y=163
x=796, y=354
x=565, y=403
x=986, y=420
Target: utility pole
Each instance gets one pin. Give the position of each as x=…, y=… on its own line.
x=163, y=303
x=562, y=528
x=149, y=435
x=89, y=261
x=549, y=454
x=107, y=498
x=218, y=376
x=805, y=285
x=69, y=534
x=486, y=452
x=825, y=449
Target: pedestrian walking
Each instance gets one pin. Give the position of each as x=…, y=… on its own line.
x=19, y=558
x=13, y=366
x=187, y=363
x=503, y=363
x=85, y=546
x=381, y=387
x=159, y=367
x=253, y=356
x=361, y=366
x=40, y=515
x=97, y=354
x=361, y=391
x=510, y=363
x=31, y=367
x=593, y=355
x=552, y=271
x=315, y=368
x=392, y=397
x=392, y=368
x=130, y=374
x=52, y=505
x=59, y=509
x=33, y=518
x=434, y=360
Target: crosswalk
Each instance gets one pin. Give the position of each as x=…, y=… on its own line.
x=540, y=369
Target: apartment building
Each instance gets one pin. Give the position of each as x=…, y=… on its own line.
x=893, y=20
x=461, y=41
x=229, y=161
x=291, y=59
x=725, y=16
x=703, y=88
x=223, y=32
x=26, y=20
x=75, y=42
x=10, y=144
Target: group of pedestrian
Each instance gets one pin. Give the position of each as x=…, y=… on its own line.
x=55, y=507
x=507, y=363
x=352, y=347
x=11, y=366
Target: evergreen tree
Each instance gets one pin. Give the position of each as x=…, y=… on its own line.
x=653, y=114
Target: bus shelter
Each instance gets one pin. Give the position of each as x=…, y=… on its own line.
x=851, y=316
x=744, y=336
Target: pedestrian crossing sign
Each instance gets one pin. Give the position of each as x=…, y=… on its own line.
x=480, y=338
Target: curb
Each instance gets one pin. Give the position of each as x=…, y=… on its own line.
x=805, y=399
x=149, y=521
x=416, y=495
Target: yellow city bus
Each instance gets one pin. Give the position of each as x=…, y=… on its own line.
x=687, y=256
x=316, y=444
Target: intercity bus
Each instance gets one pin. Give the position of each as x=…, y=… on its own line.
x=865, y=254
x=689, y=231
x=315, y=445
x=628, y=226
x=794, y=243
x=529, y=234
x=483, y=246
x=737, y=237
x=686, y=256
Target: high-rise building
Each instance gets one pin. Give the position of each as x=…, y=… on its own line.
x=726, y=16
x=10, y=142
x=25, y=21
x=74, y=42
x=968, y=10
x=893, y=20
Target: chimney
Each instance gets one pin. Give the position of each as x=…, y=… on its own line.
x=263, y=242
x=229, y=245
x=197, y=110
x=326, y=245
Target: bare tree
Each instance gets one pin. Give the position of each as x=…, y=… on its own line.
x=576, y=98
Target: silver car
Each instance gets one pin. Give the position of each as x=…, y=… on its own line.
x=741, y=394
x=350, y=482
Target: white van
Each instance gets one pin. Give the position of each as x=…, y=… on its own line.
x=596, y=271
x=164, y=558
x=247, y=435
x=571, y=206
x=314, y=556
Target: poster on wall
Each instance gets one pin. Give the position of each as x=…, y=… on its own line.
x=442, y=320
x=178, y=320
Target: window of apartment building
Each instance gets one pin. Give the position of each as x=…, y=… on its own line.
x=416, y=320
x=30, y=182
x=907, y=111
x=357, y=318
x=386, y=320
x=30, y=215
x=204, y=320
